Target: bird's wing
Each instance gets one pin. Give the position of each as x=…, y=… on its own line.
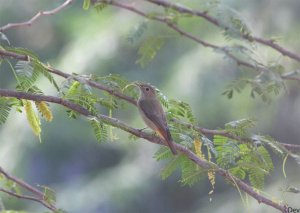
x=154, y=112
x=156, y=119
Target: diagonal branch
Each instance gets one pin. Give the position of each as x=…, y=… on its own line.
x=36, y=17
x=290, y=147
x=174, y=27
x=181, y=9
x=26, y=197
x=151, y=138
x=94, y=84
x=39, y=196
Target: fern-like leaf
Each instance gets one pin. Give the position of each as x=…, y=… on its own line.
x=99, y=6
x=163, y=153
x=26, y=75
x=181, y=111
x=39, y=67
x=238, y=172
x=170, y=168
x=137, y=32
x=5, y=108
x=240, y=127
x=100, y=130
x=256, y=177
x=149, y=49
x=191, y=173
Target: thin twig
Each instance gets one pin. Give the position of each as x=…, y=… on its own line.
x=173, y=26
x=13, y=55
x=26, y=197
x=36, y=17
x=39, y=195
x=93, y=84
x=4, y=53
x=290, y=147
x=151, y=138
x=181, y=9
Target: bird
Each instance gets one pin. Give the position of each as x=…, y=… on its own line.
x=153, y=114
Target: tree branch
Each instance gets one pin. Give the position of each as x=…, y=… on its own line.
x=36, y=17
x=117, y=123
x=39, y=195
x=290, y=147
x=93, y=84
x=181, y=9
x=151, y=138
x=174, y=27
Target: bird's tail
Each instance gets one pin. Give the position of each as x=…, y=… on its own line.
x=168, y=138
x=171, y=145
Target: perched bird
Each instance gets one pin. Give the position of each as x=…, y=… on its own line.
x=153, y=113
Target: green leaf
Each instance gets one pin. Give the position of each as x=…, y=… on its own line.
x=39, y=67
x=240, y=127
x=191, y=173
x=5, y=108
x=233, y=24
x=137, y=32
x=26, y=75
x=265, y=158
x=170, y=168
x=22, y=51
x=79, y=94
x=99, y=6
x=274, y=145
x=256, y=178
x=100, y=130
x=238, y=172
x=149, y=49
x=181, y=111
x=49, y=194
x=163, y=153
x=86, y=4
x=162, y=98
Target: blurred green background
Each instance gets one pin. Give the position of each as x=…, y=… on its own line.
x=122, y=176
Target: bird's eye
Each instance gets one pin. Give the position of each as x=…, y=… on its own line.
x=147, y=89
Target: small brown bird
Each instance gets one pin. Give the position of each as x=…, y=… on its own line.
x=153, y=113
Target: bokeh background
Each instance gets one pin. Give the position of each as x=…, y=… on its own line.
x=122, y=176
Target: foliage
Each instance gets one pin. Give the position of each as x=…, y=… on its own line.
x=49, y=194
x=243, y=160
x=191, y=173
x=5, y=107
x=44, y=110
x=239, y=127
x=236, y=149
x=137, y=32
x=149, y=49
x=32, y=118
x=100, y=130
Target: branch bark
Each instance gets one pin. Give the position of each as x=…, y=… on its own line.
x=290, y=147
x=192, y=37
x=181, y=9
x=36, y=17
x=151, y=138
x=117, y=123
x=39, y=196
